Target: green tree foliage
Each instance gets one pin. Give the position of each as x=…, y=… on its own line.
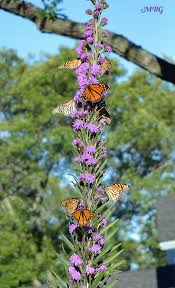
x=35, y=162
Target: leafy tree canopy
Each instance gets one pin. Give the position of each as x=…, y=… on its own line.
x=36, y=154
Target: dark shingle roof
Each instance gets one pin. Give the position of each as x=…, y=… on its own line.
x=163, y=277
x=166, y=218
x=136, y=279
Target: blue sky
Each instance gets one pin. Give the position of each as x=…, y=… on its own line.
x=153, y=31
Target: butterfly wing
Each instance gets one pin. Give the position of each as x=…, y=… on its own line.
x=71, y=204
x=103, y=114
x=115, y=191
x=106, y=66
x=82, y=216
x=94, y=92
x=65, y=109
x=72, y=64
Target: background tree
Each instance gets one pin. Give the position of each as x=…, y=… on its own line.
x=35, y=159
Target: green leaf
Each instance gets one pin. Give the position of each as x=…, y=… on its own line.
x=61, y=283
x=69, y=244
x=110, y=259
x=105, y=229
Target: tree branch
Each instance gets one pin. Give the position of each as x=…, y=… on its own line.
x=121, y=45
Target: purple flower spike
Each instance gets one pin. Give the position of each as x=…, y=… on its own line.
x=90, y=270
x=76, y=260
x=84, y=286
x=95, y=248
x=74, y=273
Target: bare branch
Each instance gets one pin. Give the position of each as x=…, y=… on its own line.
x=121, y=45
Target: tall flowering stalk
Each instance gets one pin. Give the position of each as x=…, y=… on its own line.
x=93, y=259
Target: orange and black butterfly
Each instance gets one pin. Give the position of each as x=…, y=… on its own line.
x=115, y=191
x=103, y=114
x=94, y=92
x=82, y=216
x=71, y=204
x=106, y=66
x=71, y=64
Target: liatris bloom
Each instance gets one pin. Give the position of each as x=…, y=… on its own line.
x=79, y=49
x=101, y=268
x=95, y=248
x=92, y=127
x=104, y=21
x=78, y=143
x=76, y=260
x=87, y=177
x=95, y=70
x=90, y=270
x=78, y=124
x=88, y=11
x=72, y=228
x=83, y=68
x=76, y=275
x=87, y=209
x=84, y=56
x=104, y=222
x=98, y=6
x=91, y=149
x=90, y=40
x=108, y=48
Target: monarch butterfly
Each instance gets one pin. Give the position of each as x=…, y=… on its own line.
x=72, y=64
x=103, y=114
x=115, y=191
x=82, y=216
x=71, y=204
x=66, y=108
x=106, y=66
x=94, y=92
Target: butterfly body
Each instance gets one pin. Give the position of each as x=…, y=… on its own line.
x=82, y=216
x=66, y=108
x=115, y=191
x=71, y=64
x=94, y=92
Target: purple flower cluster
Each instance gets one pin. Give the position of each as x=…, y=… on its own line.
x=87, y=177
x=75, y=275
x=72, y=228
x=76, y=260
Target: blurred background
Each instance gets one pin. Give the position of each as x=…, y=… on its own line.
x=35, y=146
